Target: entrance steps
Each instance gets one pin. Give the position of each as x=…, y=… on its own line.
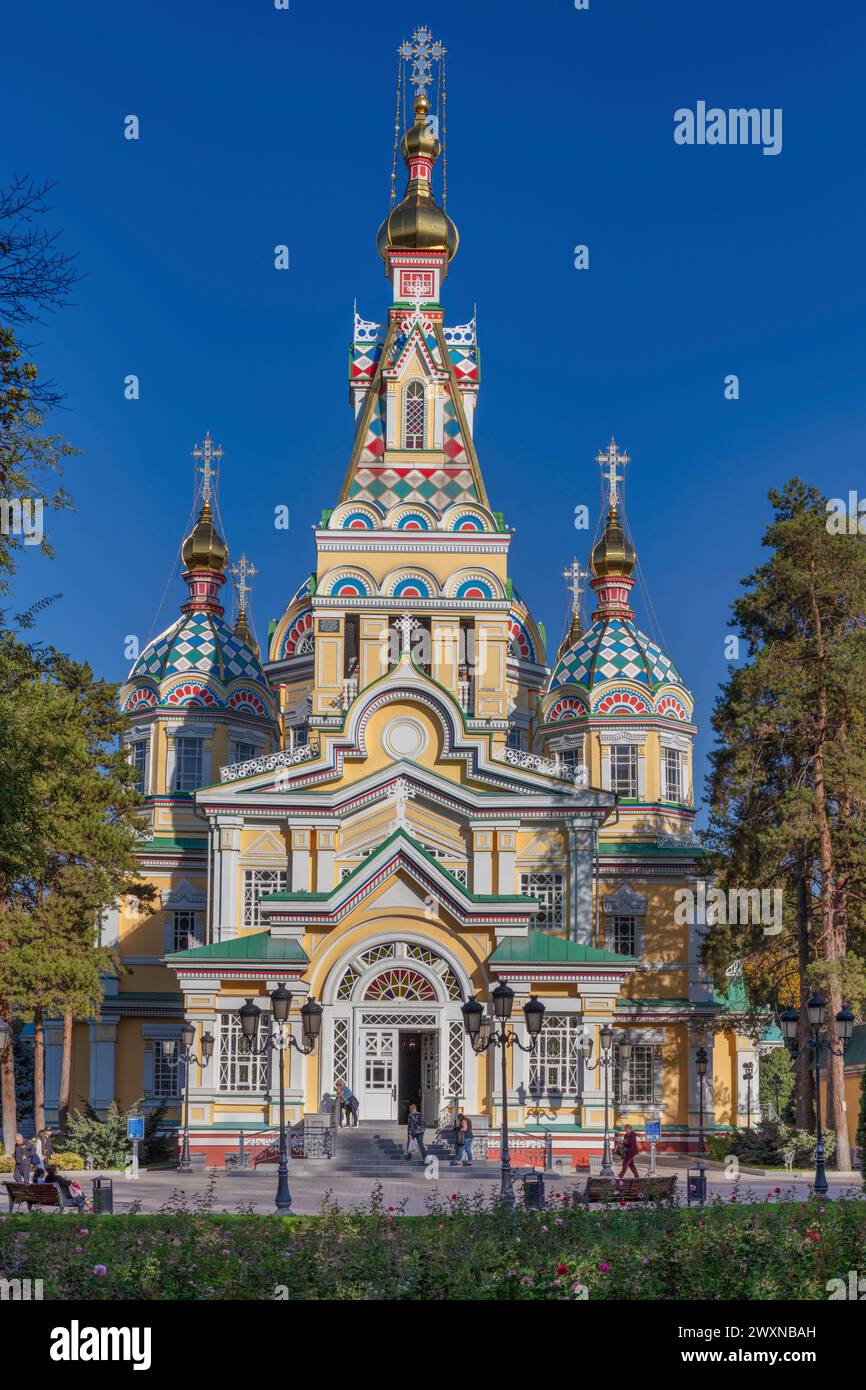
x=376, y=1149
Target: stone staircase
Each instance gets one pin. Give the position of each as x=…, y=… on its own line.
x=375, y=1149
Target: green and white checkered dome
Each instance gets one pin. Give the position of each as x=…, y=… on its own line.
x=199, y=644
x=614, y=649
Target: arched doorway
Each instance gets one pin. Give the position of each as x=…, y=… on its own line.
x=395, y=1033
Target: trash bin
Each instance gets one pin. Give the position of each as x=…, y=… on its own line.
x=696, y=1184
x=103, y=1195
x=533, y=1192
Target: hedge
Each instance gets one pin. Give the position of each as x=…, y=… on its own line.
x=463, y=1248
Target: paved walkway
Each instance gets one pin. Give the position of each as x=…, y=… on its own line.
x=407, y=1188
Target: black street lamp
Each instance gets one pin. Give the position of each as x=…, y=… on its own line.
x=311, y=1024
x=605, y=1060
x=701, y=1060
x=748, y=1073
x=482, y=1034
x=790, y=1021
x=173, y=1057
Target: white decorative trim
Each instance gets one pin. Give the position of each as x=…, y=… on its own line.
x=268, y=763
x=624, y=902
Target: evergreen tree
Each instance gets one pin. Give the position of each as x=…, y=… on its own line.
x=861, y=1126
x=787, y=787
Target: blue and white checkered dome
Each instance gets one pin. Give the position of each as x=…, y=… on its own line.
x=199, y=644
x=614, y=649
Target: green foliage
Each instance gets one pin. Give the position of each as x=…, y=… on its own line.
x=102, y=1139
x=777, y=1063
x=765, y=1145
x=7, y=1163
x=465, y=1249
x=67, y=1162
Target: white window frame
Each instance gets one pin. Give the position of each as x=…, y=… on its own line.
x=416, y=437
x=628, y=752
x=258, y=882
x=181, y=752
x=557, y=1052
x=549, y=887
x=184, y=935
x=649, y=1054
x=616, y=924
x=240, y=1072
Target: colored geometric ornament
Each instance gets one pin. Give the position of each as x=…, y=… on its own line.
x=520, y=639
x=142, y=698
x=245, y=699
x=671, y=708
x=190, y=693
x=626, y=701
x=299, y=630
x=568, y=707
x=612, y=649
x=401, y=983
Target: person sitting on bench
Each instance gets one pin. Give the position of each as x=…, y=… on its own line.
x=70, y=1191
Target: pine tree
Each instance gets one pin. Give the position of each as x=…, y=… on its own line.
x=860, y=1136
x=788, y=778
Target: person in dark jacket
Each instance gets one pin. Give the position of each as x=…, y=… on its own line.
x=628, y=1151
x=70, y=1191
x=415, y=1127
x=23, y=1157
x=463, y=1154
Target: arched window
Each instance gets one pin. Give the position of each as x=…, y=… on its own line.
x=413, y=416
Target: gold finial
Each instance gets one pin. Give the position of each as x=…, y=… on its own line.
x=613, y=554
x=242, y=574
x=575, y=578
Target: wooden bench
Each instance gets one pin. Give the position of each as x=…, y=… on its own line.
x=629, y=1190
x=35, y=1194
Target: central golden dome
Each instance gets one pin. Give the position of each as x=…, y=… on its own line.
x=204, y=547
x=613, y=553
x=418, y=223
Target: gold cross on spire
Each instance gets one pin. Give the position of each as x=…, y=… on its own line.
x=610, y=460
x=243, y=572
x=422, y=51
x=207, y=453
x=575, y=577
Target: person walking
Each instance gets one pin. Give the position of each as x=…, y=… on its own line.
x=463, y=1155
x=23, y=1158
x=628, y=1151
x=47, y=1142
x=37, y=1158
x=348, y=1105
x=415, y=1127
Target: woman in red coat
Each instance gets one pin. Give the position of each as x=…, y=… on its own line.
x=629, y=1151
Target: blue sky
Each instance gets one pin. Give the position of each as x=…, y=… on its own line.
x=261, y=127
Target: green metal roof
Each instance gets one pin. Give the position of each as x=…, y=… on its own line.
x=855, y=1052
x=339, y=888
x=165, y=843
x=257, y=946
x=538, y=947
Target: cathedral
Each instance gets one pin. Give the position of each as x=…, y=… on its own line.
x=403, y=801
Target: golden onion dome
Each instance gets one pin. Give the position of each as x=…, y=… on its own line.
x=243, y=632
x=613, y=553
x=575, y=631
x=204, y=547
x=418, y=222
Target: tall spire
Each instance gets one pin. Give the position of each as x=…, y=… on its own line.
x=575, y=578
x=613, y=556
x=243, y=573
x=204, y=551
x=418, y=223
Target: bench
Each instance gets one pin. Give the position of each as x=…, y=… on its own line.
x=629, y=1190
x=35, y=1194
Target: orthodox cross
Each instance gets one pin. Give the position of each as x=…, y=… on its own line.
x=243, y=572
x=575, y=576
x=207, y=453
x=610, y=460
x=406, y=626
x=400, y=797
x=422, y=50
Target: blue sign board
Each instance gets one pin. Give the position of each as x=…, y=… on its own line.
x=135, y=1127
x=653, y=1130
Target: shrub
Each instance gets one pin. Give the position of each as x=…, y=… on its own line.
x=67, y=1161
x=765, y=1144
x=7, y=1163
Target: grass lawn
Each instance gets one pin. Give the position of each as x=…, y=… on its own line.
x=461, y=1249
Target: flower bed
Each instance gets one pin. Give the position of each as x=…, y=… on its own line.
x=461, y=1249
